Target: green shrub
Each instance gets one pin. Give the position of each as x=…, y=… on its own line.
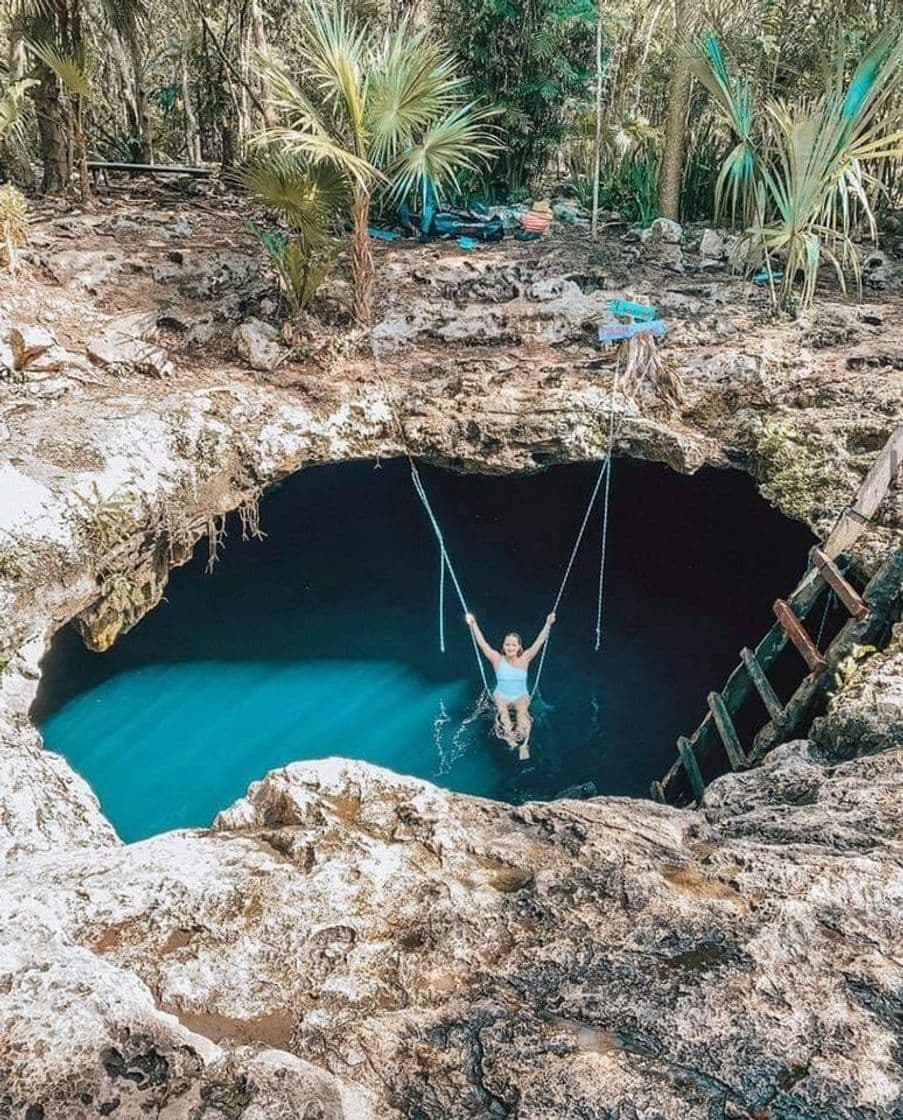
x=533, y=61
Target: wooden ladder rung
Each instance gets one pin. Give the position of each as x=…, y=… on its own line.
x=726, y=730
x=798, y=634
x=762, y=683
x=688, y=758
x=845, y=592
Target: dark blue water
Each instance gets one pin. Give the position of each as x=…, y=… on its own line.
x=322, y=639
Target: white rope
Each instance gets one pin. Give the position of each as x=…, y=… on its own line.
x=605, y=507
x=570, y=564
x=441, y=602
x=602, y=553
x=446, y=561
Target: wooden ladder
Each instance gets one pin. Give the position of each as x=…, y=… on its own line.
x=870, y=616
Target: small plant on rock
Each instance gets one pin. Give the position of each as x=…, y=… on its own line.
x=308, y=200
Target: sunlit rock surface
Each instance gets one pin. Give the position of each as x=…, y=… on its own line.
x=346, y=944
x=429, y=955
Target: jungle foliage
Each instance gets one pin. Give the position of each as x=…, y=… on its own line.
x=783, y=121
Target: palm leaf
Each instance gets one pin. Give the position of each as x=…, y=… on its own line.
x=411, y=84
x=11, y=102
x=70, y=67
x=307, y=197
x=332, y=51
x=736, y=179
x=309, y=133
x=460, y=141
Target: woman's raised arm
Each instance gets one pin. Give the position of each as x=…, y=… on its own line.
x=492, y=654
x=541, y=638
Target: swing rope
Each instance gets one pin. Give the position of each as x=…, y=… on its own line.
x=606, y=473
x=570, y=564
x=445, y=563
x=444, y=559
x=605, y=507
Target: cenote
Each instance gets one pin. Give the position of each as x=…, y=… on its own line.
x=322, y=639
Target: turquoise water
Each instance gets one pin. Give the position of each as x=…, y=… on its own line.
x=322, y=639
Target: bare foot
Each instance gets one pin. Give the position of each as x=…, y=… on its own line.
x=524, y=752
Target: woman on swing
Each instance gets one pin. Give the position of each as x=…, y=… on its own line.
x=511, y=682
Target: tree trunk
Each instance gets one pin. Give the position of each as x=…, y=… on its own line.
x=361, y=260
x=192, y=136
x=53, y=131
x=81, y=147
x=675, y=142
x=258, y=42
x=125, y=95
x=145, y=129
x=228, y=141
x=597, y=140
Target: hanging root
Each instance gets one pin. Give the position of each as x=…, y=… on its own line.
x=249, y=514
x=644, y=371
x=216, y=534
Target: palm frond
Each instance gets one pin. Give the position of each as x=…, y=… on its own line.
x=332, y=53
x=71, y=67
x=736, y=179
x=11, y=101
x=412, y=83
x=455, y=143
x=308, y=197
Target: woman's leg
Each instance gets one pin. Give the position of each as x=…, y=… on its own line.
x=524, y=725
x=503, y=721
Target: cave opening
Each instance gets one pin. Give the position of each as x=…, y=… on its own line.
x=321, y=639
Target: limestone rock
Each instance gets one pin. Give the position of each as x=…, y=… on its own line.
x=123, y=348
x=663, y=231
x=868, y=713
x=201, y=332
x=29, y=343
x=89, y=269
x=443, y=956
x=44, y=804
x=661, y=243
x=712, y=245
x=90, y=1040
x=876, y=271
x=259, y=344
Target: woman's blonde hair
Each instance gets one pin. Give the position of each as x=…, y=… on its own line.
x=520, y=640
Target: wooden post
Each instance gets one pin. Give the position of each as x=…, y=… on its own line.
x=874, y=486
x=844, y=591
x=797, y=633
x=658, y=794
x=726, y=730
x=763, y=684
x=692, y=768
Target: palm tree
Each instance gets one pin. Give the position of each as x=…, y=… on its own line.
x=388, y=113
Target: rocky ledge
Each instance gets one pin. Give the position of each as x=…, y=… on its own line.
x=347, y=943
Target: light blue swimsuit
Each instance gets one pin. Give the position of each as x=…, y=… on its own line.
x=511, y=682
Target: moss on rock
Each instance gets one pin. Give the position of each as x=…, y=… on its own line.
x=800, y=474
